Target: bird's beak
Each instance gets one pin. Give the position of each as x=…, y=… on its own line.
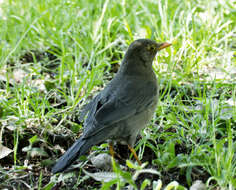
x=163, y=45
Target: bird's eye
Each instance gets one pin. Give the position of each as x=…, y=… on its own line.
x=151, y=48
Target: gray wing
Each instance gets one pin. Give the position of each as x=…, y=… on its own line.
x=90, y=107
x=107, y=110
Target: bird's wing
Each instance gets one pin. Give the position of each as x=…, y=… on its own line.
x=90, y=107
x=121, y=105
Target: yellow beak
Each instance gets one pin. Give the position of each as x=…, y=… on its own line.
x=164, y=45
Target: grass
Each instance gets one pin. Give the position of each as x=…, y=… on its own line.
x=56, y=54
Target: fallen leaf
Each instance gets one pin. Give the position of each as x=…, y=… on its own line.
x=4, y=151
x=102, y=176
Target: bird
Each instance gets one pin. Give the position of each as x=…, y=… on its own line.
x=124, y=107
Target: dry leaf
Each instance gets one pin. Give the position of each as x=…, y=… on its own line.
x=4, y=151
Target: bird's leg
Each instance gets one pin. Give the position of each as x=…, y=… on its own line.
x=135, y=155
x=111, y=150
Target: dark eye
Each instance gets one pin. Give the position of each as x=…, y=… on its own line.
x=152, y=48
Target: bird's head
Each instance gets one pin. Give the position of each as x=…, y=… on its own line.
x=145, y=49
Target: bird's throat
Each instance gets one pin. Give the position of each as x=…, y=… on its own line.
x=136, y=67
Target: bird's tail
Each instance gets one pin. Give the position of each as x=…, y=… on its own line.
x=77, y=149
